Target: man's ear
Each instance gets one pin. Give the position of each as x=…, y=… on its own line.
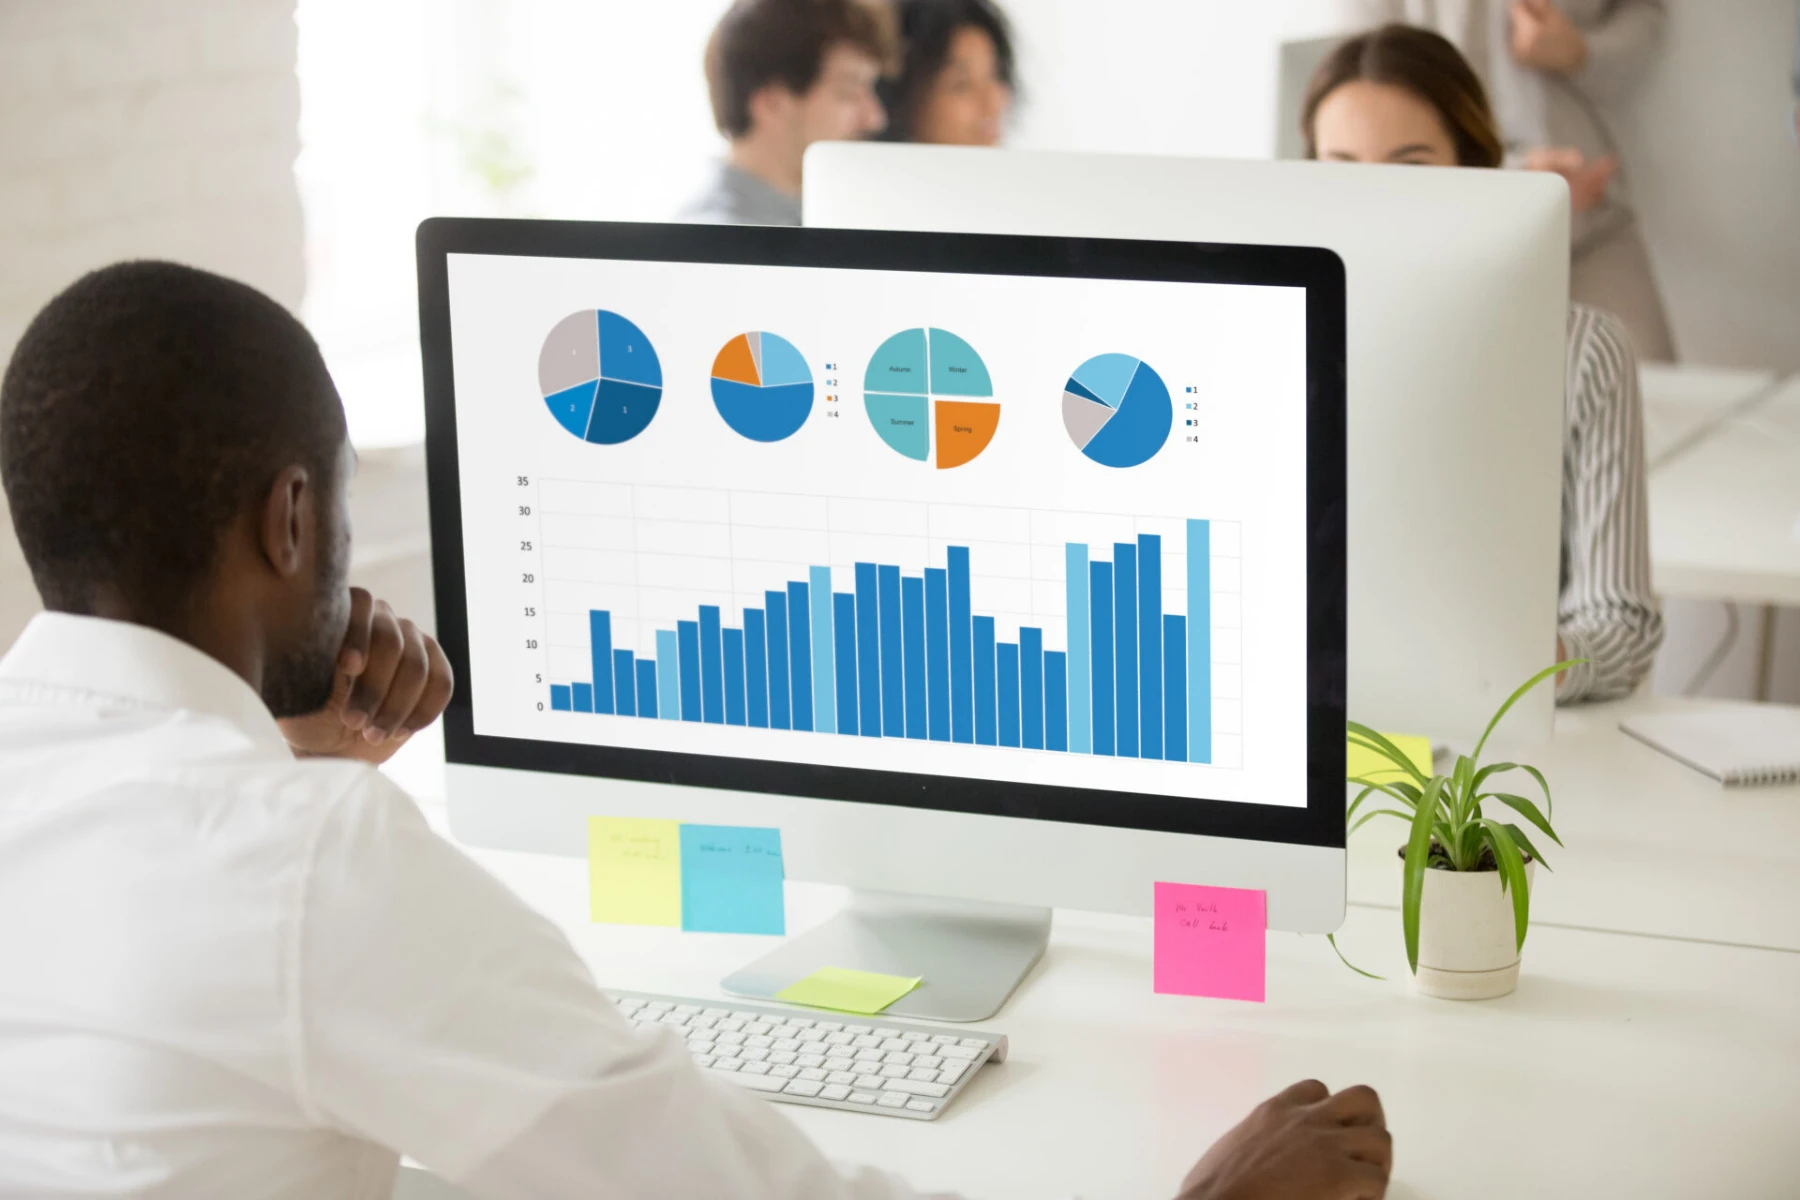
x=287, y=528
x=769, y=107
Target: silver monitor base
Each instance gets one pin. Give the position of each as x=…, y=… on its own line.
x=970, y=955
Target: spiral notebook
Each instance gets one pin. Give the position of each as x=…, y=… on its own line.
x=1737, y=746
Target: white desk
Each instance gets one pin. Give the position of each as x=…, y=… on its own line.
x=1683, y=403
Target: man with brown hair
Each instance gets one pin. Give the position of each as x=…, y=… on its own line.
x=784, y=74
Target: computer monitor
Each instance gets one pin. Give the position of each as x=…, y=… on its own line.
x=1458, y=295
x=995, y=572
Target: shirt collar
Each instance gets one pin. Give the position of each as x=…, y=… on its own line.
x=137, y=664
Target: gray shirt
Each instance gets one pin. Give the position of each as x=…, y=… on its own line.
x=733, y=196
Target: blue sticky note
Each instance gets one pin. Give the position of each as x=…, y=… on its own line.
x=731, y=880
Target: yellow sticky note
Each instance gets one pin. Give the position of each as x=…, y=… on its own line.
x=1365, y=763
x=848, y=991
x=634, y=871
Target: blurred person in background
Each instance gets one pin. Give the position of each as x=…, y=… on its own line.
x=1401, y=94
x=783, y=74
x=1550, y=68
x=956, y=82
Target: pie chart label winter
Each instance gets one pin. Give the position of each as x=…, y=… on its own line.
x=1117, y=410
x=762, y=386
x=600, y=377
x=926, y=391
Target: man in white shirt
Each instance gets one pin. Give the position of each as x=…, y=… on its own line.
x=234, y=961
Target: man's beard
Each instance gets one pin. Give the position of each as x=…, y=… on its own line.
x=299, y=681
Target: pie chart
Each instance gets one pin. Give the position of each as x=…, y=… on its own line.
x=600, y=377
x=762, y=386
x=1117, y=410
x=929, y=397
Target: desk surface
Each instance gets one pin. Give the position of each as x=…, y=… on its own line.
x=1683, y=402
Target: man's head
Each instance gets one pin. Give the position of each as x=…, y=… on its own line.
x=174, y=454
x=788, y=73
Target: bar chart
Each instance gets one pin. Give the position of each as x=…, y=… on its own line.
x=986, y=627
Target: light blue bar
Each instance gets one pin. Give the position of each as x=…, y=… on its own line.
x=1199, y=641
x=1075, y=572
x=668, y=675
x=823, y=652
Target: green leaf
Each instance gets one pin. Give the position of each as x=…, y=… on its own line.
x=1332, y=938
x=1418, y=849
x=1518, y=695
x=1385, y=790
x=1371, y=740
x=1492, y=769
x=1512, y=871
x=1372, y=814
x=1529, y=811
x=1542, y=783
x=1524, y=843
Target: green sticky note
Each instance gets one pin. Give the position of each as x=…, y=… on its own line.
x=1365, y=763
x=634, y=871
x=848, y=991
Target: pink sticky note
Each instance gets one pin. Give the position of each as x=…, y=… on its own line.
x=1211, y=941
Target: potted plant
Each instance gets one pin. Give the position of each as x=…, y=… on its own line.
x=1466, y=895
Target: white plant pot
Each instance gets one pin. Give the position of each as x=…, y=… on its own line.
x=1468, y=949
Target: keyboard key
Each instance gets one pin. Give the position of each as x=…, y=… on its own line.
x=787, y=1044
x=753, y=1055
x=869, y=1081
x=913, y=1087
x=840, y=1038
x=923, y=1076
x=928, y=1060
x=800, y=1022
x=865, y=1040
x=974, y=1043
x=870, y=1055
x=893, y=1100
x=762, y=1041
x=729, y=1039
x=802, y=1087
x=921, y=1106
x=836, y=1091
x=859, y=1030
x=840, y=1077
x=952, y=1071
x=659, y=1006
x=756, y=1068
x=729, y=1025
x=757, y=1083
x=963, y=1052
x=812, y=1073
x=745, y=1017
x=715, y=1013
x=703, y=1022
x=727, y=1064
x=863, y=1097
x=781, y=1058
x=674, y=1018
x=692, y=1010
x=703, y=1060
x=898, y=1060
x=724, y=1052
x=630, y=1004
x=811, y=1035
x=784, y=1072
x=828, y=1027
x=893, y=1071
x=944, y=1039
x=840, y=1064
x=912, y=1035
x=894, y=1043
x=810, y=1060
x=757, y=1028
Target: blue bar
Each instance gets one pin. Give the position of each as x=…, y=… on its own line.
x=1031, y=688
x=1175, y=687
x=893, y=674
x=625, y=683
x=962, y=674
x=1100, y=601
x=912, y=651
x=1199, y=641
x=937, y=654
x=688, y=634
x=1075, y=580
x=734, y=675
x=868, y=650
x=800, y=654
x=600, y=649
x=824, y=702
x=1056, y=700
x=1150, y=656
x=780, y=714
x=843, y=631
x=646, y=687
x=983, y=629
x=1007, y=664
x=668, y=675
x=712, y=667
x=560, y=698
x=756, y=668
x=1125, y=648
x=584, y=697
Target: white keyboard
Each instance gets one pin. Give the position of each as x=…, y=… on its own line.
x=867, y=1064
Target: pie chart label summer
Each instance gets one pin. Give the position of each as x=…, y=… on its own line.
x=1117, y=410
x=762, y=386
x=926, y=390
x=600, y=377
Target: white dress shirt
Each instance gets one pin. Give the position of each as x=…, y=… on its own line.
x=225, y=972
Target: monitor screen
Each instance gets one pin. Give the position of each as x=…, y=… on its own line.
x=798, y=510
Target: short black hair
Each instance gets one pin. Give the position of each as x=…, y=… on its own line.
x=760, y=42
x=144, y=408
x=926, y=28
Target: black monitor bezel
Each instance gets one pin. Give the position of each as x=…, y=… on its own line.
x=1320, y=272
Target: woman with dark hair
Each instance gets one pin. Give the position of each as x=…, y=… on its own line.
x=1401, y=94
x=955, y=85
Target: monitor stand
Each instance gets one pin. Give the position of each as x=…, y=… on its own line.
x=970, y=955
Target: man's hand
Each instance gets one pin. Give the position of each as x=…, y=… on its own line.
x=1544, y=38
x=1587, y=180
x=1302, y=1142
x=392, y=681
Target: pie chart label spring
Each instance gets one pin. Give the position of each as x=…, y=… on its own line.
x=762, y=386
x=1117, y=410
x=926, y=389
x=600, y=377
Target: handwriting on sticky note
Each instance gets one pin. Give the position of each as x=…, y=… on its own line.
x=634, y=871
x=1211, y=941
x=1364, y=763
x=844, y=990
x=731, y=880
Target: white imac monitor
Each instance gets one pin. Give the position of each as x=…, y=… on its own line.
x=1457, y=291
x=988, y=569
